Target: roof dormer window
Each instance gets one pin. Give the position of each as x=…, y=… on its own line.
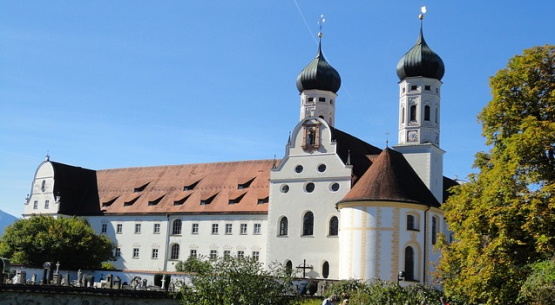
x=141, y=188
x=208, y=200
x=190, y=186
x=245, y=185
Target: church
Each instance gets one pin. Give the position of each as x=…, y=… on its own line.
x=333, y=207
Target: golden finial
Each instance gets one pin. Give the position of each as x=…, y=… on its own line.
x=321, y=22
x=422, y=11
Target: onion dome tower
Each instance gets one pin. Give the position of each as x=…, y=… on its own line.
x=420, y=72
x=318, y=84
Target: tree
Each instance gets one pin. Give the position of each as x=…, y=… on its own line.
x=503, y=219
x=71, y=241
x=193, y=265
x=539, y=287
x=378, y=292
x=233, y=280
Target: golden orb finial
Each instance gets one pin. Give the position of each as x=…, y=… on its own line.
x=422, y=11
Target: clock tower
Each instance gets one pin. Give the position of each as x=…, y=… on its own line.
x=420, y=71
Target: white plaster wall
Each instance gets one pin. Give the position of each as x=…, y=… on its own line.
x=44, y=174
x=205, y=241
x=319, y=247
x=427, y=162
x=374, y=236
x=145, y=241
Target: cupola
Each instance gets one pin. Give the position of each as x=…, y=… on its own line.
x=319, y=75
x=420, y=61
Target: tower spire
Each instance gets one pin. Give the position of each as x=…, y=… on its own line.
x=320, y=23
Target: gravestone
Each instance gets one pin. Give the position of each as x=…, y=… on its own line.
x=65, y=279
x=88, y=280
x=4, y=269
x=109, y=281
x=117, y=283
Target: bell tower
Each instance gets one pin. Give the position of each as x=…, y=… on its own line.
x=420, y=71
x=318, y=84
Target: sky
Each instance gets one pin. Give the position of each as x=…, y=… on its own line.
x=115, y=84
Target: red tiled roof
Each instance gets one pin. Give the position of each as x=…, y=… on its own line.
x=391, y=178
x=166, y=186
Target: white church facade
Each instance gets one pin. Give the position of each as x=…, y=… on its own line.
x=334, y=203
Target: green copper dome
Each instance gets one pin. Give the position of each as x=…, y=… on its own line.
x=319, y=74
x=420, y=61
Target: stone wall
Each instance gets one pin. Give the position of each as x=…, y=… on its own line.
x=57, y=295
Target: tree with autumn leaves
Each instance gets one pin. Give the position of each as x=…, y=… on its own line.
x=503, y=219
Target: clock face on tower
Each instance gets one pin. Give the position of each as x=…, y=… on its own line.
x=412, y=136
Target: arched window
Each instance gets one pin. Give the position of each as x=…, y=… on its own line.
x=426, y=113
x=174, y=252
x=413, y=113
x=283, y=224
x=289, y=267
x=409, y=264
x=308, y=224
x=435, y=229
x=325, y=270
x=334, y=226
x=176, y=228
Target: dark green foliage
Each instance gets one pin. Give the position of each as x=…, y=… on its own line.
x=383, y=292
x=70, y=241
x=193, y=265
x=539, y=287
x=239, y=281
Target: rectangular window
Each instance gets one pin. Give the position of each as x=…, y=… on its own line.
x=228, y=228
x=427, y=87
x=413, y=87
x=214, y=228
x=257, y=228
x=135, y=252
x=194, y=229
x=321, y=99
x=243, y=228
x=104, y=228
x=119, y=228
x=154, y=253
x=256, y=255
x=35, y=204
x=137, y=228
x=213, y=254
x=193, y=253
x=227, y=253
x=118, y=252
x=412, y=223
x=240, y=254
x=156, y=228
x=47, y=204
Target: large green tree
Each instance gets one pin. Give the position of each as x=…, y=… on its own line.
x=70, y=241
x=503, y=219
x=232, y=280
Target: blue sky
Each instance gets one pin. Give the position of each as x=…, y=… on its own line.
x=111, y=84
